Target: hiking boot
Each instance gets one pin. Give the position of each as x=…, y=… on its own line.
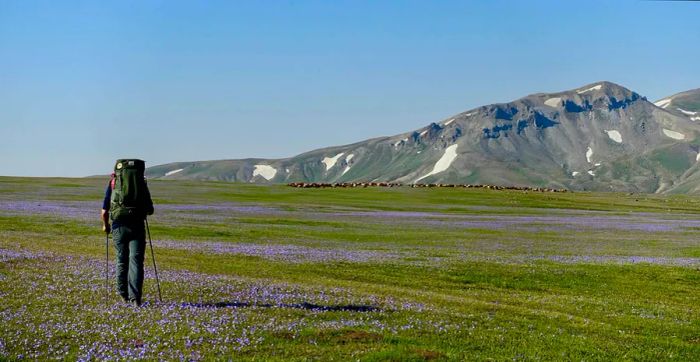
x=135, y=303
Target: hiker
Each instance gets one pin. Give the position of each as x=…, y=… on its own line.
x=127, y=202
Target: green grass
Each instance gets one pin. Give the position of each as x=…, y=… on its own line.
x=485, y=292
x=674, y=162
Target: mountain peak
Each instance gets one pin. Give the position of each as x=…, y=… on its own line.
x=601, y=89
x=605, y=86
x=602, y=95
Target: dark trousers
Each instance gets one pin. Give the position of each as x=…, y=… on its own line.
x=130, y=242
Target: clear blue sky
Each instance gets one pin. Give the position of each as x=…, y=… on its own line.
x=84, y=83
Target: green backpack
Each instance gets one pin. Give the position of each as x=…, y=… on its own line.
x=130, y=199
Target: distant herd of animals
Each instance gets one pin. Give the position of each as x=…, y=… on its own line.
x=393, y=184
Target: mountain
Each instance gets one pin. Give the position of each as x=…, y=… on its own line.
x=597, y=137
x=683, y=104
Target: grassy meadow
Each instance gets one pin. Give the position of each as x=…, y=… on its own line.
x=262, y=273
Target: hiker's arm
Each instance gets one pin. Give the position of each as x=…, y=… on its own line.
x=149, y=201
x=105, y=209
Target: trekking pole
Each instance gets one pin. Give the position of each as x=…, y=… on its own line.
x=107, y=270
x=150, y=242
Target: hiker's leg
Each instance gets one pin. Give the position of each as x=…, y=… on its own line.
x=121, y=244
x=137, y=249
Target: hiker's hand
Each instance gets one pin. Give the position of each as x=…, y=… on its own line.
x=106, y=228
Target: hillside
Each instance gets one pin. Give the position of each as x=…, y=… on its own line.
x=685, y=104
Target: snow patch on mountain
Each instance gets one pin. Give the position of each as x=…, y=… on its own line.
x=423, y=133
x=614, y=135
x=553, y=102
x=397, y=143
x=688, y=113
x=448, y=122
x=590, y=172
x=330, y=161
x=575, y=173
x=589, y=153
x=595, y=87
x=173, y=172
x=673, y=134
x=444, y=162
x=663, y=103
x=695, y=118
x=266, y=171
x=347, y=161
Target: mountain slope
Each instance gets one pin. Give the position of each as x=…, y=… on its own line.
x=598, y=137
x=685, y=104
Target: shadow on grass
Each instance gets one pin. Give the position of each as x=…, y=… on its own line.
x=307, y=306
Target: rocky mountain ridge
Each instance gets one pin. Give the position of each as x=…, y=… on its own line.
x=601, y=136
